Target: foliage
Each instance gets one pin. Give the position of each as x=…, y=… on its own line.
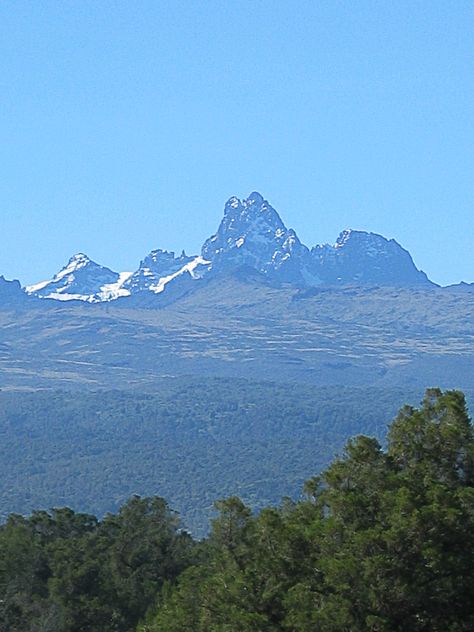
x=383, y=542
x=191, y=441
x=66, y=572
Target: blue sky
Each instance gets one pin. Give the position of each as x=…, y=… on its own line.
x=125, y=126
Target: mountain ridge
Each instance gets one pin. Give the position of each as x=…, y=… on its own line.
x=251, y=234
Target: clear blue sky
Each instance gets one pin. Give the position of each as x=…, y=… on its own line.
x=125, y=126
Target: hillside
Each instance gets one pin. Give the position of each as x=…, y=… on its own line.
x=193, y=441
x=239, y=324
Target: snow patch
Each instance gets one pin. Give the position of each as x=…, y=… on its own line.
x=191, y=268
x=111, y=291
x=31, y=289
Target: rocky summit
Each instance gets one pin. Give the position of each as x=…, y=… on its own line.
x=154, y=269
x=364, y=258
x=252, y=234
x=11, y=291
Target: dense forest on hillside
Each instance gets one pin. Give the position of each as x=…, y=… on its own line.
x=192, y=441
x=382, y=541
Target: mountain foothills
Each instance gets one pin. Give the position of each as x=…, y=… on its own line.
x=251, y=234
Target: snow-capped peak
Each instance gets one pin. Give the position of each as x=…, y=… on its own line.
x=80, y=279
x=157, y=265
x=75, y=263
x=79, y=259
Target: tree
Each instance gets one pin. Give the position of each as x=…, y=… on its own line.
x=384, y=542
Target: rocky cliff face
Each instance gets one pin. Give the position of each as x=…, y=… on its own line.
x=252, y=234
x=155, y=267
x=11, y=291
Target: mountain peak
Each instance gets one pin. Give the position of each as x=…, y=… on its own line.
x=353, y=235
x=80, y=279
x=247, y=222
x=363, y=257
x=11, y=293
x=232, y=204
x=254, y=198
x=79, y=256
x=156, y=266
x=7, y=286
x=76, y=262
x=235, y=205
x=252, y=234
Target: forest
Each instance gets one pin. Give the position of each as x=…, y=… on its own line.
x=381, y=540
x=192, y=440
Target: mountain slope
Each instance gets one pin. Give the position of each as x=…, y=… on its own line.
x=193, y=440
x=240, y=324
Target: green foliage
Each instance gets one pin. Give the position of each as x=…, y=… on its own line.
x=384, y=542
x=191, y=441
x=67, y=572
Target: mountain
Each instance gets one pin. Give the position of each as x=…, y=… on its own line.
x=85, y=280
x=251, y=236
x=363, y=258
x=239, y=324
x=81, y=279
